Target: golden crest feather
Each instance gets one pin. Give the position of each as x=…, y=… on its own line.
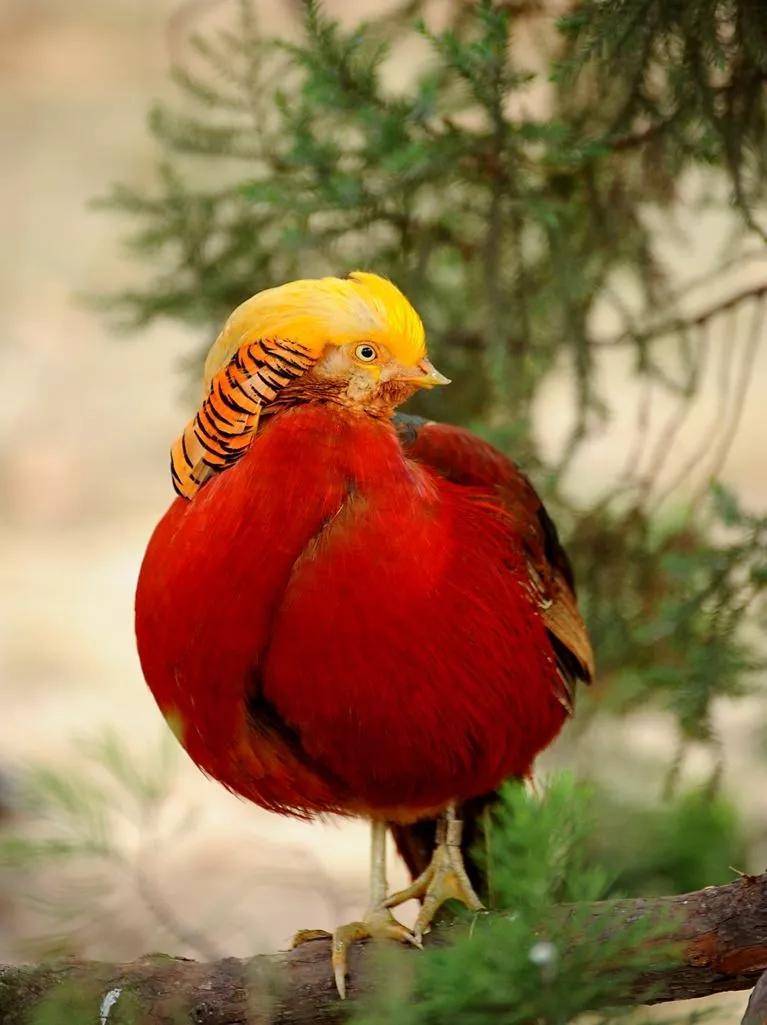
x=317, y=312
x=273, y=338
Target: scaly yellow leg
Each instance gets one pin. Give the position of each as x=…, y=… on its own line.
x=443, y=879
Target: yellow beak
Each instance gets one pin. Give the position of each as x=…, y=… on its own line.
x=426, y=375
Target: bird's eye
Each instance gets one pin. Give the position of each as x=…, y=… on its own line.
x=366, y=352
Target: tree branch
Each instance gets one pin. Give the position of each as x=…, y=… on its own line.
x=721, y=934
x=684, y=323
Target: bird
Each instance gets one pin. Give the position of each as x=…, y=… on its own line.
x=349, y=610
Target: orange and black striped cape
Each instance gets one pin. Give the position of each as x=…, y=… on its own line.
x=225, y=424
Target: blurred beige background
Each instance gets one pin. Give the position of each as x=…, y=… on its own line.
x=85, y=424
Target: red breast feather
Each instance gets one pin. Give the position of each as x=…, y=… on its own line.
x=334, y=627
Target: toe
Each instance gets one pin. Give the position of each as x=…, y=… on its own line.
x=379, y=924
x=416, y=889
x=342, y=940
x=307, y=935
x=446, y=885
x=432, y=902
x=394, y=930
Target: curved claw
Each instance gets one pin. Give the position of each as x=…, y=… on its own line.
x=380, y=924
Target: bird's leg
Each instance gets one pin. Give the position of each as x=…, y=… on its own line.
x=443, y=879
x=378, y=923
x=377, y=863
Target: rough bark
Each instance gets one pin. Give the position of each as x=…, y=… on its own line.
x=720, y=934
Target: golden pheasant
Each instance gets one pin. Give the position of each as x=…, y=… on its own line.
x=349, y=611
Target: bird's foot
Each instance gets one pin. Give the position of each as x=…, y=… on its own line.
x=444, y=879
x=378, y=924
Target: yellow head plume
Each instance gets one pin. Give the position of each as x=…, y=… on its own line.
x=317, y=312
x=276, y=337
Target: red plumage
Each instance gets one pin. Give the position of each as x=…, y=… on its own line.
x=347, y=621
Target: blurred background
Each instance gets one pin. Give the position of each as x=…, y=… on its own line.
x=155, y=856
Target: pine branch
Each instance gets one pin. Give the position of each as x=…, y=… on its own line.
x=719, y=936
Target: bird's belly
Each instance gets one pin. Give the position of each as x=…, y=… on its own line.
x=409, y=659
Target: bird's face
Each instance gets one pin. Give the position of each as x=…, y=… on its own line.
x=363, y=343
x=367, y=375
x=356, y=341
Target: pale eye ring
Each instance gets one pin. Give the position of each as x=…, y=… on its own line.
x=366, y=353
